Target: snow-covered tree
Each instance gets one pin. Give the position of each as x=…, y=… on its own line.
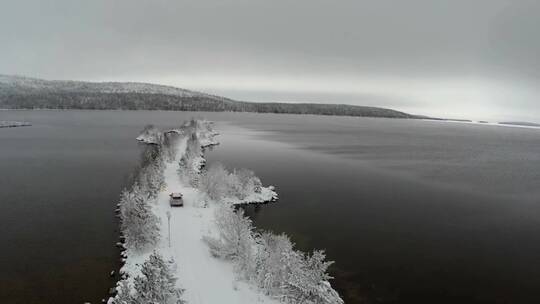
x=292, y=275
x=193, y=147
x=150, y=135
x=234, y=186
x=244, y=182
x=170, y=145
x=124, y=295
x=236, y=240
x=218, y=183
x=235, y=233
x=306, y=277
x=151, y=177
x=271, y=261
x=157, y=284
x=190, y=161
x=138, y=223
x=215, y=182
x=185, y=172
x=257, y=185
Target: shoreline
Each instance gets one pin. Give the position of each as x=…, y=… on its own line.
x=480, y=123
x=458, y=121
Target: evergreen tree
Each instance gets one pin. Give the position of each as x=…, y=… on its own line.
x=139, y=224
x=157, y=285
x=124, y=295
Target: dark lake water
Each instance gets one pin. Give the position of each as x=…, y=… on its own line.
x=411, y=211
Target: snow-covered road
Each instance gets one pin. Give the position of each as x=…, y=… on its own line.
x=206, y=279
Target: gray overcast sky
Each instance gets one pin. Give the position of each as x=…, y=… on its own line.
x=474, y=59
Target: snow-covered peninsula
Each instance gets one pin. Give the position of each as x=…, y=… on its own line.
x=206, y=251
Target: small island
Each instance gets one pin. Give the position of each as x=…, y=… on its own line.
x=13, y=124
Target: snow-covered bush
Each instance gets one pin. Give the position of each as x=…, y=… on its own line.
x=292, y=275
x=150, y=135
x=215, y=182
x=246, y=182
x=186, y=174
x=169, y=145
x=306, y=277
x=270, y=260
x=193, y=148
x=218, y=183
x=156, y=285
x=124, y=294
x=151, y=176
x=191, y=161
x=273, y=257
x=138, y=223
x=235, y=233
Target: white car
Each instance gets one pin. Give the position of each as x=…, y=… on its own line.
x=176, y=199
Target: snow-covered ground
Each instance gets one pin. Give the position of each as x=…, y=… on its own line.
x=150, y=135
x=480, y=123
x=11, y=124
x=206, y=279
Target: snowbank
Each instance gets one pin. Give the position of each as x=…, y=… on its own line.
x=13, y=124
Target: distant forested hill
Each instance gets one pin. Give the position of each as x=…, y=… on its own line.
x=29, y=93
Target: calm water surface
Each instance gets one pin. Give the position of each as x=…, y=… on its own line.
x=411, y=211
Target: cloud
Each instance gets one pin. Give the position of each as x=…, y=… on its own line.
x=434, y=56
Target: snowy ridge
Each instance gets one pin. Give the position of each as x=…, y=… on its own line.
x=201, y=276
x=30, y=84
x=18, y=92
